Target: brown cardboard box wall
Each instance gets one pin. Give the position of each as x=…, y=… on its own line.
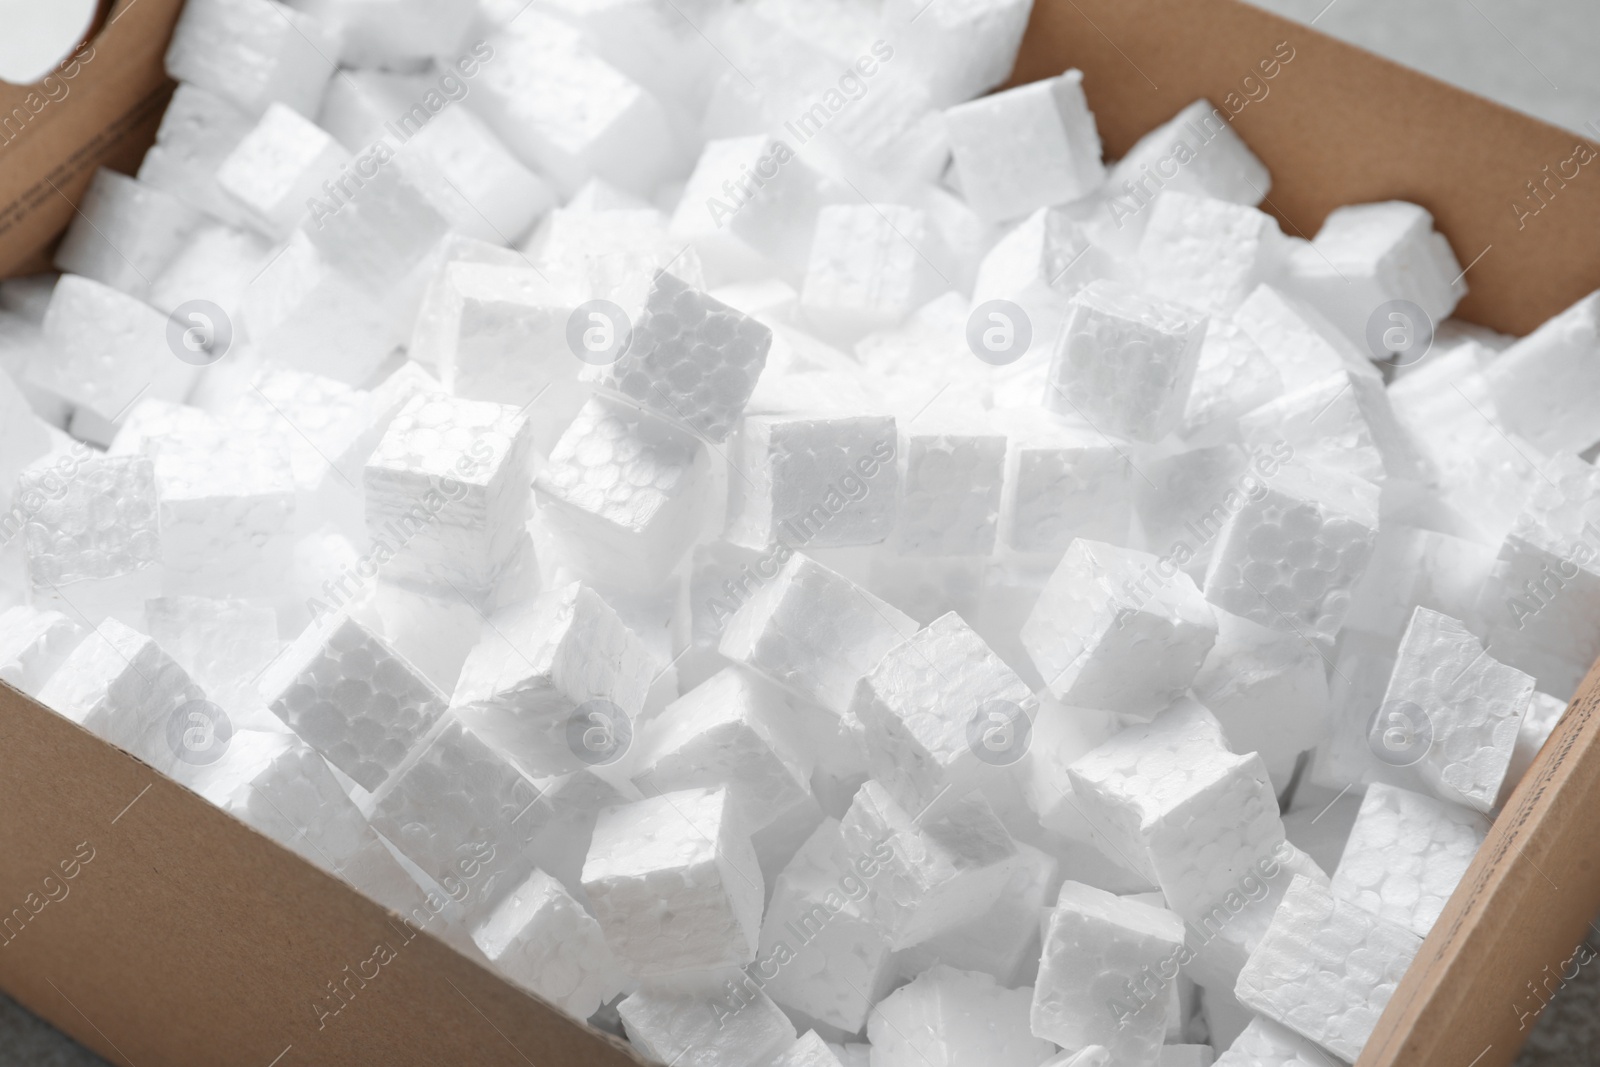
x=161, y=932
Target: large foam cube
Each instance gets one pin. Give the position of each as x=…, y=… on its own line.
x=675, y=883
x=948, y=1016
x=1063, y=481
x=94, y=539
x=719, y=1031
x=280, y=166
x=1026, y=148
x=349, y=696
x=542, y=939
x=951, y=475
x=1326, y=968
x=1098, y=618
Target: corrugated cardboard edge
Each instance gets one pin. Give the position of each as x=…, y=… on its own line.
x=101, y=110
x=1338, y=125
x=187, y=938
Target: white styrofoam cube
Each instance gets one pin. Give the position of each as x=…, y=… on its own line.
x=254, y=53
x=351, y=698
x=546, y=672
x=1414, y=568
x=198, y=130
x=1060, y=737
x=675, y=883
x=952, y=1016
x=215, y=264
x=809, y=1051
x=813, y=631
x=223, y=644
x=1204, y=154
x=749, y=207
x=110, y=348
x=818, y=480
x=940, y=873
x=279, y=166
x=1207, y=252
x=868, y=269
x=717, y=1031
x=1039, y=265
x=1234, y=376
x=124, y=232
x=1538, y=722
x=1063, y=481
x=1026, y=148
x=392, y=32
x=1326, y=968
x=963, y=51
x=1289, y=558
x=1104, y=973
x=543, y=940
x=1539, y=382
x=1100, y=616
x=1222, y=934
x=1265, y=1043
x=1405, y=855
x=487, y=191
x=1125, y=361
x=691, y=358
x=951, y=474
x=1303, y=345
x=1342, y=422
x=33, y=644
x=1464, y=705
x=449, y=481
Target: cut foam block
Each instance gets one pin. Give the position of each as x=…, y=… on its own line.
x=719, y=1031
x=1303, y=344
x=1096, y=620
x=949, y=1016
x=1197, y=151
x=624, y=492
x=962, y=52
x=1326, y=968
x=124, y=233
x=675, y=884
x=1104, y=973
x=1207, y=252
x=254, y=52
x=750, y=204
x=1405, y=855
x=198, y=130
x=1124, y=362
x=809, y=1051
x=351, y=698
x=279, y=166
x=1538, y=382
x=869, y=268
x=487, y=191
x=542, y=939
x=951, y=474
x=1026, y=148
x=1264, y=1043
x=814, y=631
x=1233, y=376
x=1063, y=481
x=33, y=644
x=547, y=671
x=1039, y=266
x=223, y=644
x=1343, y=422
x=947, y=869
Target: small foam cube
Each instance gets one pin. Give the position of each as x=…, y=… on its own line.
x=1039, y=266
x=1063, y=481
x=1223, y=933
x=1326, y=968
x=821, y=480
x=387, y=228
x=1343, y=422
x=254, y=52
x=1205, y=153
x=1098, y=618
x=223, y=644
x=948, y=1017
x=1538, y=722
x=962, y=52
x=1290, y=557
x=1103, y=976
x=542, y=939
x=867, y=270
x=1209, y=253
x=1405, y=855
x=278, y=167
x=941, y=872
x=1125, y=361
x=1470, y=705
x=1264, y=1043
x=1539, y=383
x=809, y=1051
x=814, y=631
x=487, y=191
x=749, y=205
x=728, y=731
x=951, y=474
x=349, y=696
x=929, y=706
x=624, y=492
x=691, y=358
x=99, y=537
x=33, y=644
x=708, y=1031
x=124, y=233
x=110, y=349
x=121, y=686
x=450, y=482
x=543, y=670
x=1234, y=376
x=832, y=964
x=675, y=883
x=1026, y=148
x=379, y=33
x=1367, y=255
x=1414, y=568
x=198, y=130
x=216, y=263
x=1305, y=347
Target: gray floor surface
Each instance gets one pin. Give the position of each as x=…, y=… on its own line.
x=1534, y=55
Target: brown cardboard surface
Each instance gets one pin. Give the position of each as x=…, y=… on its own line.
x=55, y=134
x=161, y=932
x=1339, y=125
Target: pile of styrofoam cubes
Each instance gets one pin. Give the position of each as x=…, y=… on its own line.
x=785, y=555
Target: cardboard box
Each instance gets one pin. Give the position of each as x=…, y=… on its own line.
x=160, y=932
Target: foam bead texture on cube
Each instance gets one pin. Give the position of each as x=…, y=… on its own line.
x=950, y=485
x=1264, y=1043
x=1208, y=253
x=1326, y=968
x=1063, y=481
x=1405, y=855
x=809, y=1051
x=1212, y=158
x=675, y=884
x=1289, y=558
x=104, y=525
x=947, y=1017
x=1125, y=361
x=706, y=1030
x=691, y=358
x=542, y=939
x=867, y=270
x=349, y=696
x=814, y=631
x=1471, y=706
x=1101, y=977
x=1093, y=629
x=254, y=53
